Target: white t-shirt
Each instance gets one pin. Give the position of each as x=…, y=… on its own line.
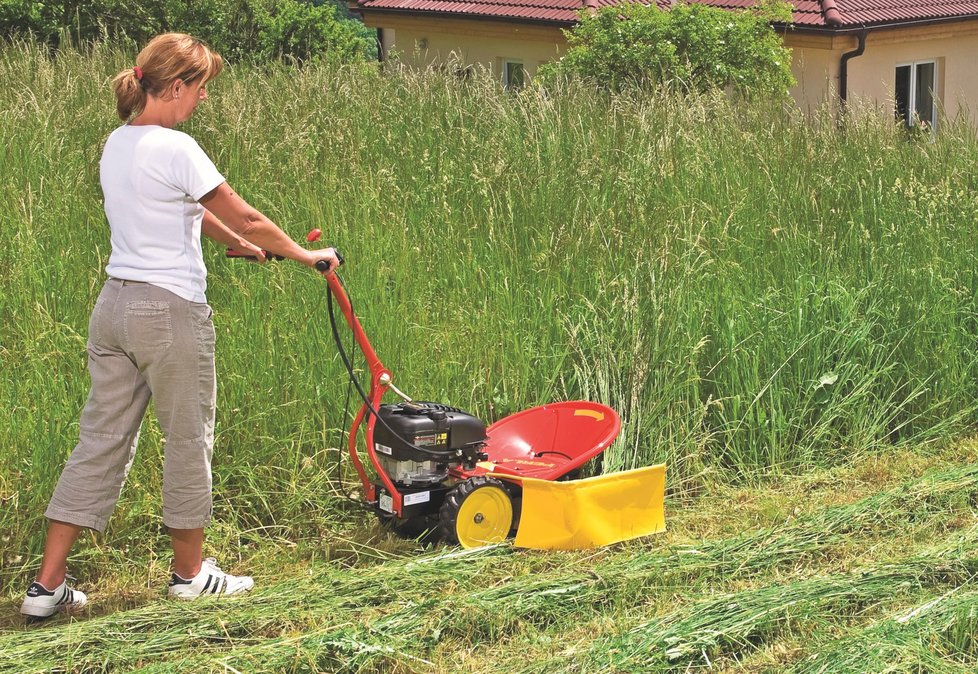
x=152, y=178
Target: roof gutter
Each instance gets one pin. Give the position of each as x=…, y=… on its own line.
x=833, y=30
x=844, y=67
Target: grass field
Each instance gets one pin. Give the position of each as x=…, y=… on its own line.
x=870, y=568
x=783, y=310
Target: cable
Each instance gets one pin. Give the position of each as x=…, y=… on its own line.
x=341, y=449
x=435, y=454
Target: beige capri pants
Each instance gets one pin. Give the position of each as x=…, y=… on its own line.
x=143, y=341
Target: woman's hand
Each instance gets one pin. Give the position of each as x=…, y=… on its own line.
x=327, y=254
x=246, y=248
x=217, y=230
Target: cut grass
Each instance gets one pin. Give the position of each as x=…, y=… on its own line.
x=645, y=604
x=733, y=624
x=937, y=635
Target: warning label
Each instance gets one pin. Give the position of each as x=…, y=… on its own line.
x=430, y=439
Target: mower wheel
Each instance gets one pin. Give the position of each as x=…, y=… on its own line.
x=478, y=511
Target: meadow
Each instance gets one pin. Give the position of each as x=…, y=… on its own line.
x=783, y=309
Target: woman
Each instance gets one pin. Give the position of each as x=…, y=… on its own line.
x=150, y=333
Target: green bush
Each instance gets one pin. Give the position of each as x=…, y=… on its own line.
x=691, y=47
x=251, y=30
x=83, y=20
x=302, y=31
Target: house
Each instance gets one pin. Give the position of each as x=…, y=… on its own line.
x=918, y=56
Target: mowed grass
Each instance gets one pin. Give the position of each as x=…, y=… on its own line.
x=867, y=568
x=765, y=299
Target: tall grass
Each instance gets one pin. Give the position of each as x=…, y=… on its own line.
x=752, y=291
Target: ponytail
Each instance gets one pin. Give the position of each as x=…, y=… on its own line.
x=130, y=94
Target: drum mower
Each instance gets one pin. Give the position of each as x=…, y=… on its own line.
x=434, y=467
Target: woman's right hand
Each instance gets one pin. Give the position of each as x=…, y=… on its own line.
x=327, y=254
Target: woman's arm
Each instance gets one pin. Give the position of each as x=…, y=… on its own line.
x=247, y=222
x=215, y=229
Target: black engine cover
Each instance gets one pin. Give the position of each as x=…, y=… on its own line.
x=445, y=431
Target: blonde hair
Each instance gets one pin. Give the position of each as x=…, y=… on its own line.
x=167, y=58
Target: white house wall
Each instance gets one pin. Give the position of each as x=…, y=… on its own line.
x=871, y=77
x=421, y=41
x=487, y=45
x=815, y=66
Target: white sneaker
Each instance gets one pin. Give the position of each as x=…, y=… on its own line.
x=41, y=602
x=209, y=581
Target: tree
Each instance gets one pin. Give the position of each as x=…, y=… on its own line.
x=304, y=30
x=82, y=20
x=690, y=47
x=239, y=29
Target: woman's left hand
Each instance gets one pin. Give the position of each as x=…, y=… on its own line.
x=327, y=254
x=247, y=248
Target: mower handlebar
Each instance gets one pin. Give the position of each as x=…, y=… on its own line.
x=321, y=265
x=230, y=252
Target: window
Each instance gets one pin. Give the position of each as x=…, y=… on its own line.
x=915, y=93
x=514, y=74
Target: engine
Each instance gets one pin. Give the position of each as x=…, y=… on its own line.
x=442, y=437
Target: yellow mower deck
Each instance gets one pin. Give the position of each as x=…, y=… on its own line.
x=592, y=512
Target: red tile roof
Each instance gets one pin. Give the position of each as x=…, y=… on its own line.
x=840, y=14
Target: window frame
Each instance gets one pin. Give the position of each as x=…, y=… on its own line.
x=912, y=119
x=505, y=72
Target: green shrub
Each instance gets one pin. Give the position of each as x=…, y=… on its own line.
x=82, y=20
x=692, y=47
x=302, y=31
x=241, y=30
